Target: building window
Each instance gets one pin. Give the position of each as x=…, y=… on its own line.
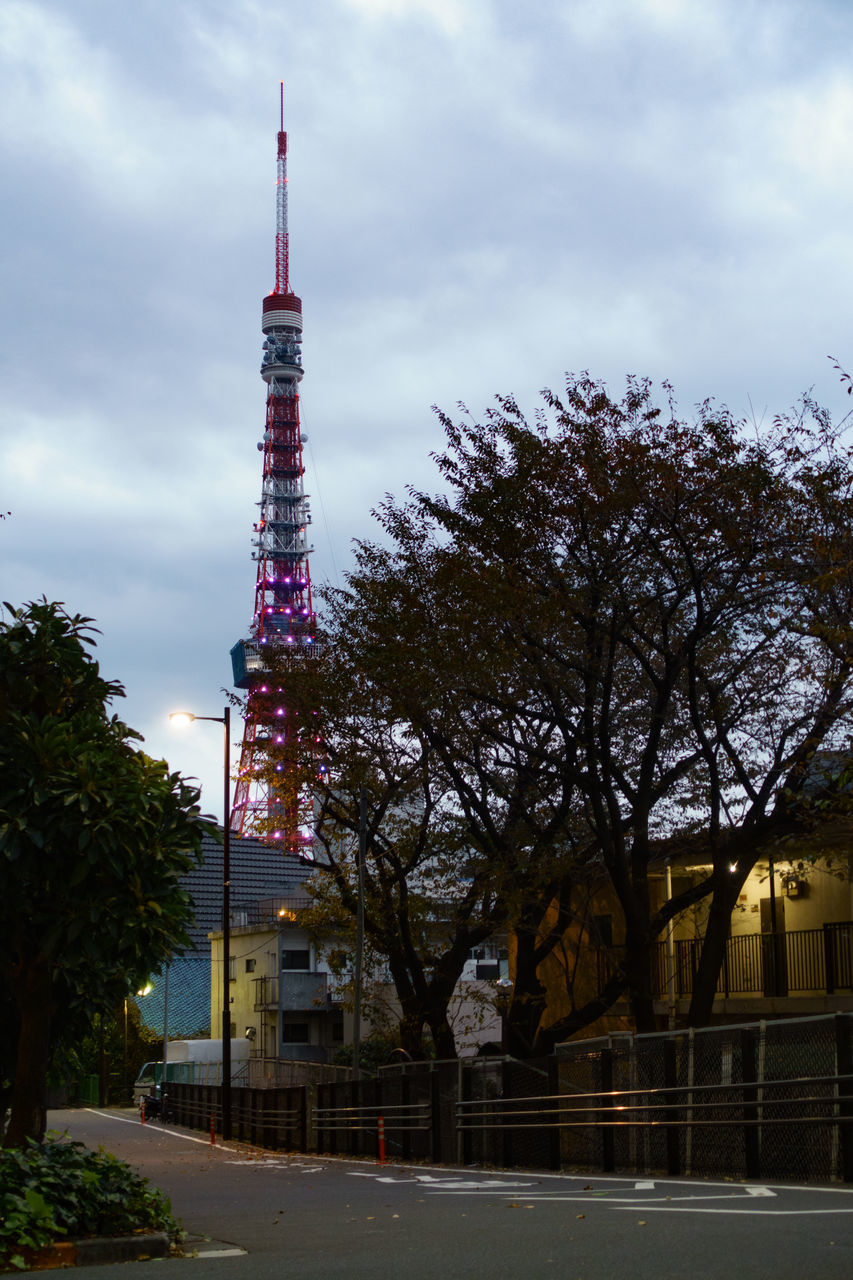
x=232, y=968
x=250, y=966
x=294, y=1033
x=295, y=960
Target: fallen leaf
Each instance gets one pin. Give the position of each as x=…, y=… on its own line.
x=581, y=1215
x=641, y=1223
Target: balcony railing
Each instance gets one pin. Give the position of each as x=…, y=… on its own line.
x=266, y=993
x=293, y=992
x=803, y=961
x=271, y=911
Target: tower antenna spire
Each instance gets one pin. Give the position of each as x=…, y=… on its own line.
x=284, y=621
x=282, y=240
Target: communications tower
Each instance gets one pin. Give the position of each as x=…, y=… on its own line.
x=284, y=619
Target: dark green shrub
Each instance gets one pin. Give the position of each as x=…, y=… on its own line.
x=61, y=1190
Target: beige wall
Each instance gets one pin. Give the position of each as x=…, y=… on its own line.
x=825, y=896
x=259, y=946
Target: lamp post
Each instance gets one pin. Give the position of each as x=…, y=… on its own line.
x=503, y=986
x=187, y=717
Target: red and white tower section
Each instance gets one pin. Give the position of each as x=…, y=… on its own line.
x=284, y=621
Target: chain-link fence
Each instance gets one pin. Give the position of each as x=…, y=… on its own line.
x=761, y=1099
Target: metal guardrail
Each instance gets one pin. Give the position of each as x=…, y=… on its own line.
x=724, y=1100
x=504, y=1108
x=402, y=1117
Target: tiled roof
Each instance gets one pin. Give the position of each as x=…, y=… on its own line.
x=258, y=871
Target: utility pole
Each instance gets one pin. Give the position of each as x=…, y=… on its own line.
x=359, y=935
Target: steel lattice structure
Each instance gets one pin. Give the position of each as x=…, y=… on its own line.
x=284, y=619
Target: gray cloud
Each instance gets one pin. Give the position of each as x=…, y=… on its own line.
x=481, y=196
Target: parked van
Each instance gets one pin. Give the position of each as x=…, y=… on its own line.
x=191, y=1062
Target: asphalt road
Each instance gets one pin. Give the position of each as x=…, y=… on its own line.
x=252, y=1214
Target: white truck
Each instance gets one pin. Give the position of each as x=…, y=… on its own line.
x=190, y=1062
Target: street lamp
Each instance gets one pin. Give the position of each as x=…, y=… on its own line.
x=186, y=718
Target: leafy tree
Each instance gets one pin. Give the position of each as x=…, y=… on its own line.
x=94, y=836
x=429, y=895
x=116, y=1047
x=618, y=635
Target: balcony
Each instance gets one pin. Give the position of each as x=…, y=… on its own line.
x=266, y=994
x=292, y=992
x=272, y=911
x=799, y=962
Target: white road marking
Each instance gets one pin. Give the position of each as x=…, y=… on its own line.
x=430, y=1183
x=205, y=1142
x=767, y=1213
x=255, y=1162
x=462, y=1187
x=630, y=1201
x=219, y=1253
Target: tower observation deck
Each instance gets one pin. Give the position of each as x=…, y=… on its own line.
x=283, y=621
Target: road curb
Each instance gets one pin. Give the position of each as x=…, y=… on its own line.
x=97, y=1251
x=121, y=1248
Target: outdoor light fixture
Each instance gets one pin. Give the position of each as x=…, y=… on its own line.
x=182, y=719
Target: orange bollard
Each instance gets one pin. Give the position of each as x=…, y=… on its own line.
x=380, y=1133
x=212, y=1131
x=142, y=1111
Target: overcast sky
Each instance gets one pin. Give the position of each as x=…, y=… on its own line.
x=483, y=195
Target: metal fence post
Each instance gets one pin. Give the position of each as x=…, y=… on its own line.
x=503, y=1111
x=608, y=1146
x=554, y=1142
x=670, y=1080
x=844, y=1089
x=308, y=1118
x=460, y=1098
x=435, y=1137
x=829, y=960
x=751, y=1148
x=405, y=1100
